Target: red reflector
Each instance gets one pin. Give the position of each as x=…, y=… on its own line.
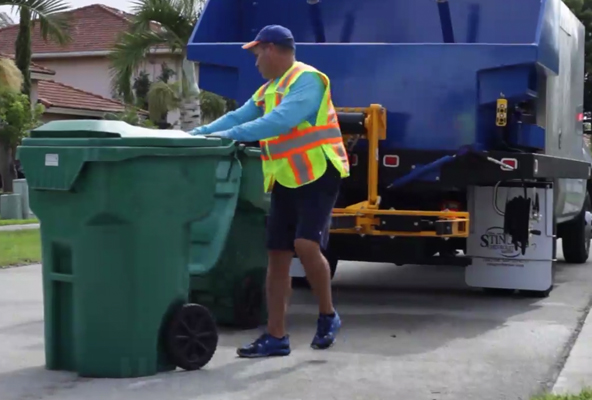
x=511, y=162
x=580, y=116
x=353, y=160
x=390, y=161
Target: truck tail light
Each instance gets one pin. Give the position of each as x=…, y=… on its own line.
x=390, y=161
x=511, y=162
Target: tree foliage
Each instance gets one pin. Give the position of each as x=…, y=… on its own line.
x=166, y=73
x=132, y=117
x=53, y=24
x=11, y=77
x=164, y=97
x=23, y=50
x=141, y=88
x=5, y=20
x=17, y=118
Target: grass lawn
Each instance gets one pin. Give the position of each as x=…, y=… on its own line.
x=6, y=222
x=20, y=247
x=586, y=394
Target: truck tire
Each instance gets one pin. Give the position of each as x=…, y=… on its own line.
x=576, y=236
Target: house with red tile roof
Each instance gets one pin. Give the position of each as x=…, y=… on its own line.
x=83, y=64
x=66, y=102
x=62, y=101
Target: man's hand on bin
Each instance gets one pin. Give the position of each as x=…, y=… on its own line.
x=221, y=134
x=198, y=132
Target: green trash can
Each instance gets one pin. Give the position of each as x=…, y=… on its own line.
x=117, y=206
x=230, y=281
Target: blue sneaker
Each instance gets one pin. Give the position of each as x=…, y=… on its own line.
x=327, y=328
x=266, y=346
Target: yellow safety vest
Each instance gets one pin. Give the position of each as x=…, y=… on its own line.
x=300, y=157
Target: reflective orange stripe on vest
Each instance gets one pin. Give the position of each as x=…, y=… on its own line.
x=287, y=80
x=260, y=102
x=301, y=167
x=332, y=115
x=283, y=85
x=299, y=141
x=340, y=150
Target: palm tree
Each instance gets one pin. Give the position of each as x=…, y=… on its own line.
x=53, y=24
x=5, y=20
x=158, y=24
x=164, y=96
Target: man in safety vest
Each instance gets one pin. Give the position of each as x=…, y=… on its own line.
x=304, y=159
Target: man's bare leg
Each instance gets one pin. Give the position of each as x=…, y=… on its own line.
x=317, y=271
x=319, y=275
x=278, y=288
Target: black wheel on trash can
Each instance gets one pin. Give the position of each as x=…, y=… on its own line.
x=191, y=337
x=249, y=303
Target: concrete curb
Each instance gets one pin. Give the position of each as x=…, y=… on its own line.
x=577, y=371
x=11, y=228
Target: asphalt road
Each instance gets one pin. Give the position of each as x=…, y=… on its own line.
x=413, y=333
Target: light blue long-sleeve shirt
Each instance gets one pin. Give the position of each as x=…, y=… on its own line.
x=248, y=124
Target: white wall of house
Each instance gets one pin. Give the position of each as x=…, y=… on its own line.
x=89, y=74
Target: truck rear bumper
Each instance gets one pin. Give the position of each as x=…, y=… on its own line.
x=464, y=171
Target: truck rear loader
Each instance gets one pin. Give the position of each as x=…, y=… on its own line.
x=463, y=121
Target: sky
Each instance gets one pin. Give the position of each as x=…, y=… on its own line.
x=120, y=4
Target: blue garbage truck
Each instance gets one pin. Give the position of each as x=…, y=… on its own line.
x=463, y=121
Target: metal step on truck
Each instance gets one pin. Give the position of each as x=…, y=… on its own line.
x=463, y=120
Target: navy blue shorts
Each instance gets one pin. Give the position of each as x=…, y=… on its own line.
x=303, y=212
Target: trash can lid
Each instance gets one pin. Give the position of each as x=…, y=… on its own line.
x=95, y=133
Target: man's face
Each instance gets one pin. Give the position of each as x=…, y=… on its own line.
x=265, y=62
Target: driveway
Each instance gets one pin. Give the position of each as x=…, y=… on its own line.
x=412, y=332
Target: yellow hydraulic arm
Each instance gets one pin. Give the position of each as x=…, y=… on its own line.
x=366, y=218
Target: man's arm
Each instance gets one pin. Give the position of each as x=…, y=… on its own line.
x=300, y=104
x=247, y=112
